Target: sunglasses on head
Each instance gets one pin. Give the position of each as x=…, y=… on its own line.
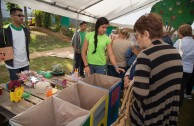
x=19, y=15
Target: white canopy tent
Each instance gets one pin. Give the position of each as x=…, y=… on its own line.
x=123, y=13
x=130, y=19
x=90, y=10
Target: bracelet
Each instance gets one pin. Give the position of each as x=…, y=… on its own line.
x=86, y=66
x=116, y=67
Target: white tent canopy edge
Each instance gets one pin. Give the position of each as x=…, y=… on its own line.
x=107, y=8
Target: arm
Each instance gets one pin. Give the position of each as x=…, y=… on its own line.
x=2, y=44
x=73, y=40
x=176, y=44
x=142, y=77
x=112, y=39
x=112, y=59
x=126, y=78
x=84, y=53
x=129, y=74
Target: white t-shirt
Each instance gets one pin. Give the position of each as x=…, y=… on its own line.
x=19, y=48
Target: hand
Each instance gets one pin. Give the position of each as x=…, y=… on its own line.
x=126, y=81
x=119, y=70
x=113, y=37
x=87, y=70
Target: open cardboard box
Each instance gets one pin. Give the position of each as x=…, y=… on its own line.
x=113, y=85
x=51, y=112
x=103, y=81
x=89, y=98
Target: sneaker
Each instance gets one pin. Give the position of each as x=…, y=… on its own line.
x=187, y=96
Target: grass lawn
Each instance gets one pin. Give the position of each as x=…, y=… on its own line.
x=41, y=63
x=42, y=42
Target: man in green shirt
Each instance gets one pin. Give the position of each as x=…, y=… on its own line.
x=77, y=43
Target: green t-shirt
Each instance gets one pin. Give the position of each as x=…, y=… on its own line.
x=98, y=58
x=82, y=35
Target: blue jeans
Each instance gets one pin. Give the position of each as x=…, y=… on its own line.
x=97, y=69
x=13, y=72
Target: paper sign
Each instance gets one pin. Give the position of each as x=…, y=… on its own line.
x=7, y=53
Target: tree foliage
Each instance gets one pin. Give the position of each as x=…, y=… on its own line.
x=175, y=12
x=38, y=18
x=11, y=5
x=1, y=17
x=46, y=20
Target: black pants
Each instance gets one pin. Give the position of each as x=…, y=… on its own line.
x=185, y=80
x=13, y=72
x=190, y=84
x=78, y=63
x=112, y=72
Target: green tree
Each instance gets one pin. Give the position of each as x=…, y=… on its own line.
x=11, y=5
x=46, y=20
x=38, y=18
x=1, y=17
x=175, y=13
x=26, y=16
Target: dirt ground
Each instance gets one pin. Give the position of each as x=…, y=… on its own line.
x=60, y=52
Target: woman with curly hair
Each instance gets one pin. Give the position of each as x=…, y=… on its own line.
x=158, y=75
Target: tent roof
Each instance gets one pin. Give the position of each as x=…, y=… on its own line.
x=89, y=10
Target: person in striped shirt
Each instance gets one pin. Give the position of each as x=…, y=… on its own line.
x=158, y=76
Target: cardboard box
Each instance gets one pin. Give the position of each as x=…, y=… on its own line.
x=113, y=85
x=89, y=98
x=7, y=52
x=51, y=112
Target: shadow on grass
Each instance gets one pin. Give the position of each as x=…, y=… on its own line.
x=44, y=42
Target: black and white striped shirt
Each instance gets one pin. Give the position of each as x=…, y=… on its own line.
x=157, y=83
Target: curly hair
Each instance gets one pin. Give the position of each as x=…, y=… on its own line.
x=124, y=32
x=185, y=30
x=150, y=22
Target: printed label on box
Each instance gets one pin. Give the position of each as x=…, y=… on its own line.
x=99, y=113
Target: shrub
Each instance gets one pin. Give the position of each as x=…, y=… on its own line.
x=46, y=20
x=65, y=31
x=56, y=28
x=38, y=18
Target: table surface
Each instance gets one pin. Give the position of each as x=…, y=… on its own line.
x=17, y=107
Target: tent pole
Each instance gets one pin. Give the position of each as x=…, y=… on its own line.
x=77, y=19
